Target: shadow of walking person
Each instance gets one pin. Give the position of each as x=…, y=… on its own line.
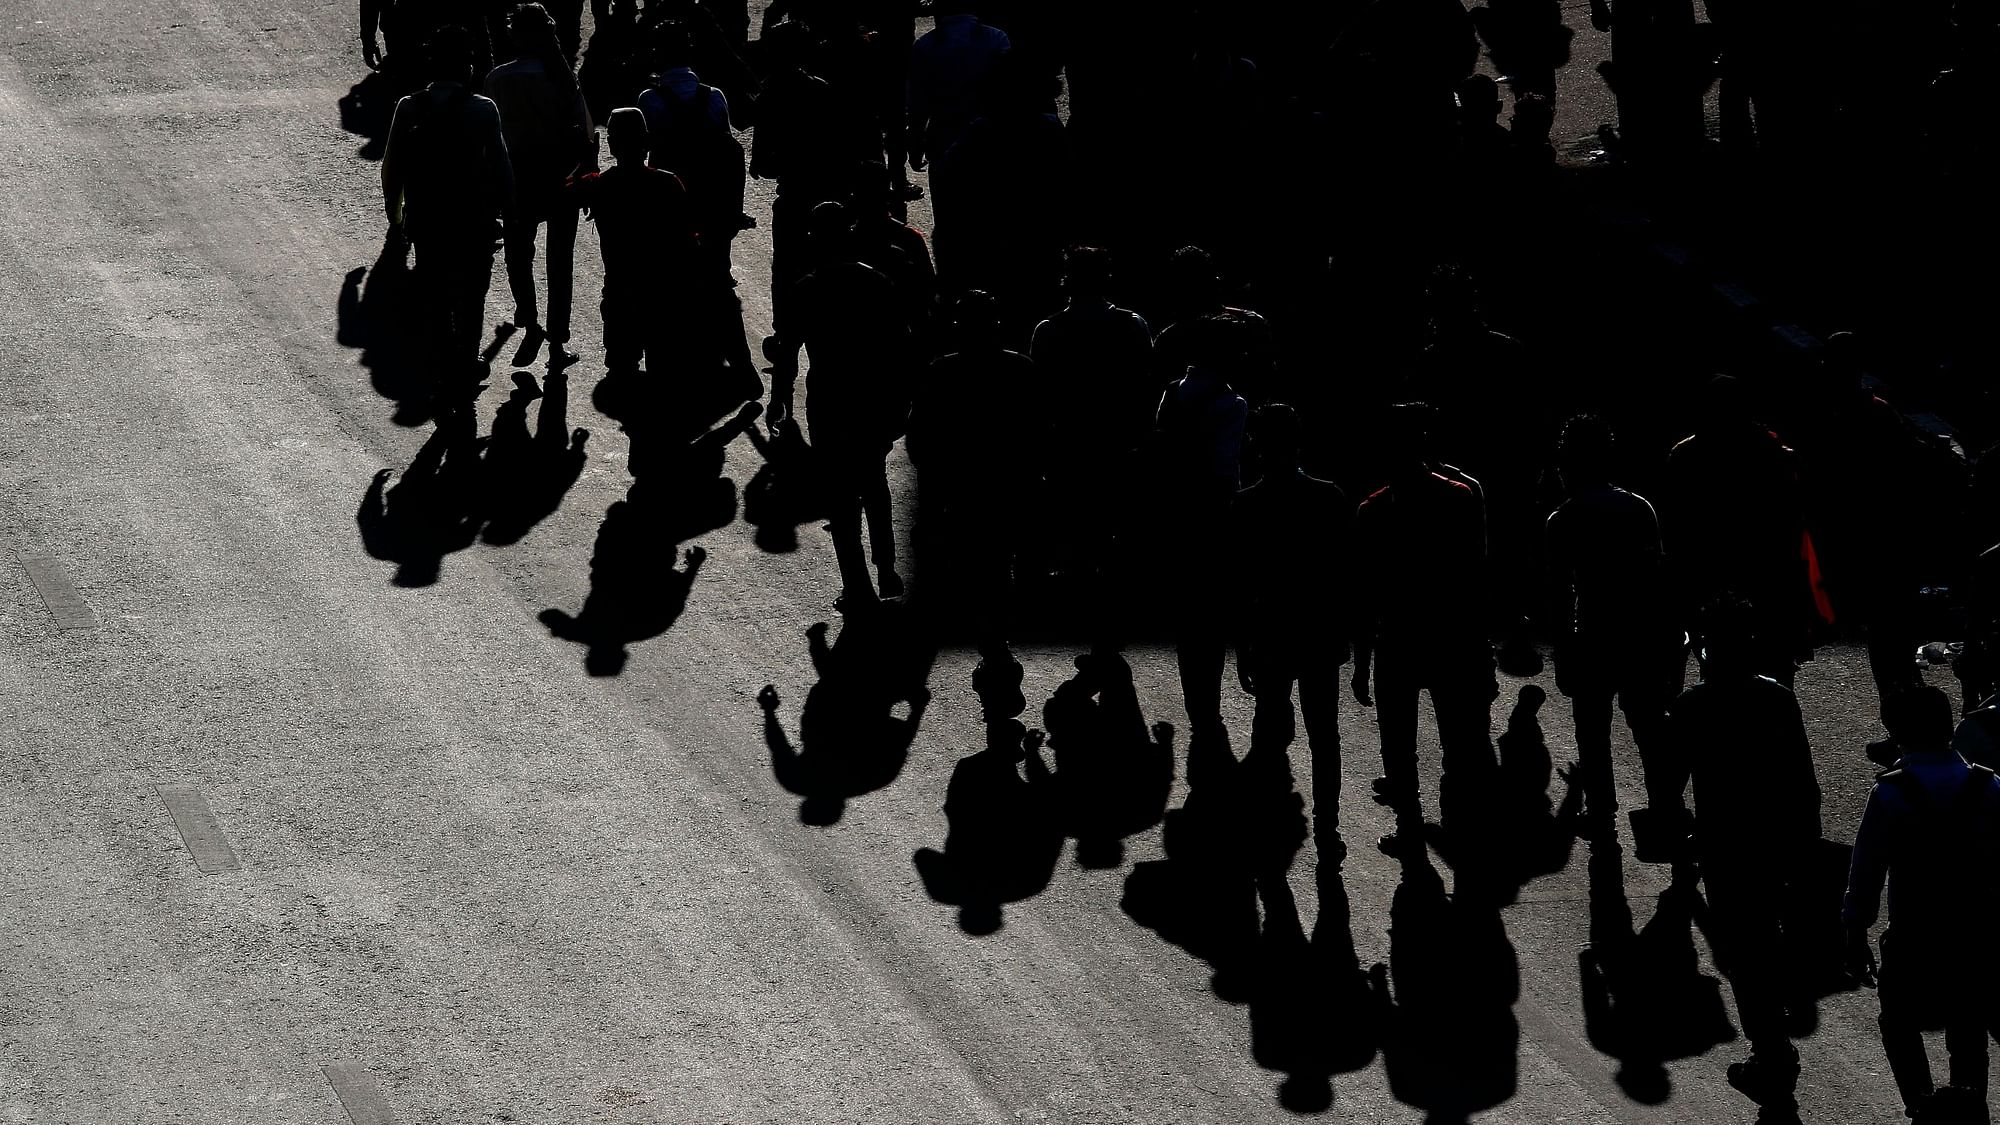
x=377, y=313
x=1452, y=1042
x=527, y=475
x=781, y=496
x=1112, y=773
x=431, y=511
x=852, y=740
x=1645, y=999
x=366, y=110
x=1003, y=840
x=1522, y=834
x=1315, y=1013
x=1236, y=834
x=677, y=493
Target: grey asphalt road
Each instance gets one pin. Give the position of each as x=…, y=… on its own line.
x=287, y=842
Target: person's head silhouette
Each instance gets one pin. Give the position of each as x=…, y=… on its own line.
x=1087, y=272
x=1274, y=434
x=1919, y=718
x=1583, y=459
x=1728, y=639
x=448, y=55
x=975, y=321
x=625, y=131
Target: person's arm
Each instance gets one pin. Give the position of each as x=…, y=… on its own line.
x=499, y=169
x=1364, y=603
x=371, y=19
x=1870, y=867
x=1865, y=876
x=1806, y=810
x=392, y=162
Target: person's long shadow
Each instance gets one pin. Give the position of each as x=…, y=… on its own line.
x=1314, y=1013
x=366, y=111
x=1003, y=839
x=378, y=314
x=1645, y=999
x=432, y=509
x=460, y=484
x=678, y=492
x=860, y=716
x=783, y=494
x=1520, y=832
x=1238, y=831
x=1452, y=1042
x=1112, y=772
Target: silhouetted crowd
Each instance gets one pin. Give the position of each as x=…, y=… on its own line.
x=1378, y=503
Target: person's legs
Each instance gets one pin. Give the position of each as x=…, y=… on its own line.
x=520, y=224
x=1899, y=989
x=624, y=333
x=562, y=269
x=1396, y=685
x=872, y=476
x=1645, y=698
x=1463, y=699
x=1319, y=704
x=1749, y=942
x=1590, y=712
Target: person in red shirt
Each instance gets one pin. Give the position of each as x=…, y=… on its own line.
x=645, y=227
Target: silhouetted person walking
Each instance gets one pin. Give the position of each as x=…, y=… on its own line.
x=445, y=178
x=1200, y=431
x=549, y=134
x=1615, y=637
x=405, y=26
x=978, y=436
x=1421, y=624
x=1756, y=816
x=1292, y=537
x=645, y=228
x=847, y=317
x=1932, y=829
x=1102, y=357
x=1733, y=522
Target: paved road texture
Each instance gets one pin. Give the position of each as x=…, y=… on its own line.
x=310, y=816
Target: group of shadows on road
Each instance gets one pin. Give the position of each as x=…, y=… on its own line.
x=1439, y=1014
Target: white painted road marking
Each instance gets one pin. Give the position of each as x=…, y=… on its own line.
x=58, y=593
x=198, y=829
x=355, y=1088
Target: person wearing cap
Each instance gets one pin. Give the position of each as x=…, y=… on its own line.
x=1931, y=829
x=549, y=135
x=445, y=178
x=646, y=231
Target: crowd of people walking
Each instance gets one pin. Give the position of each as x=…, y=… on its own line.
x=1108, y=363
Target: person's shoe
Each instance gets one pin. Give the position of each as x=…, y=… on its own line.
x=856, y=601
x=908, y=192
x=1884, y=752
x=1403, y=843
x=561, y=358
x=1766, y=1081
x=891, y=583
x=1952, y=1105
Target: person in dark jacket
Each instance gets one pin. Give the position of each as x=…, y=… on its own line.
x=1931, y=829
x=1756, y=818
